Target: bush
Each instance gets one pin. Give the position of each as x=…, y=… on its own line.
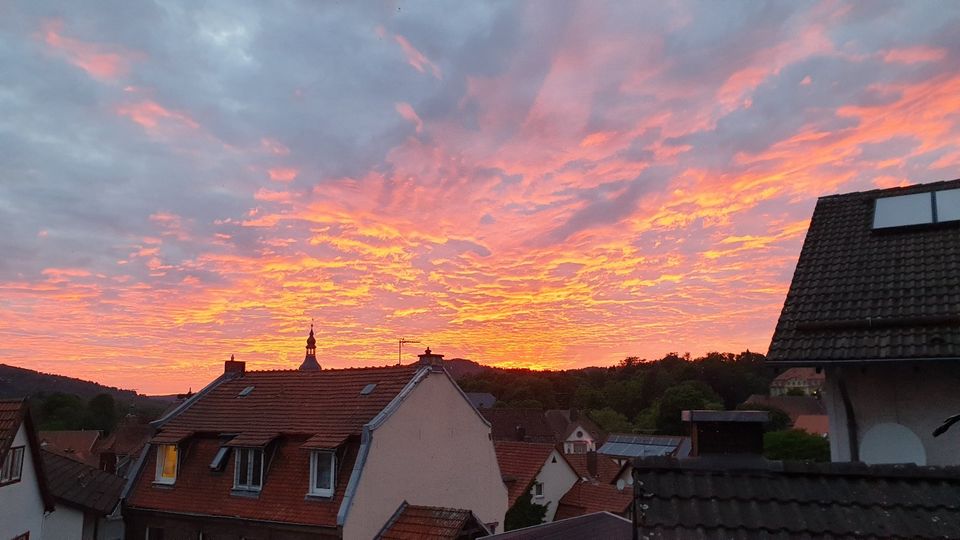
x=795, y=445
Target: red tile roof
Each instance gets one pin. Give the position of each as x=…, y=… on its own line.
x=607, y=468
x=504, y=424
x=128, y=438
x=520, y=463
x=817, y=424
x=589, y=497
x=77, y=445
x=10, y=417
x=13, y=413
x=429, y=522
x=293, y=406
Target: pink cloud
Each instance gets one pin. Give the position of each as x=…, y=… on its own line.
x=283, y=174
x=406, y=111
x=914, y=55
x=150, y=115
x=417, y=59
x=99, y=61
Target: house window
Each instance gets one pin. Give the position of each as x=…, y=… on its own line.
x=167, y=456
x=579, y=447
x=24, y=536
x=12, y=466
x=538, y=489
x=323, y=466
x=249, y=471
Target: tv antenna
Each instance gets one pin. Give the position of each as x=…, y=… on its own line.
x=400, y=344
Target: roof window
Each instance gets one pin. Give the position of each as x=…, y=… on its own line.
x=368, y=389
x=220, y=460
x=917, y=209
x=245, y=392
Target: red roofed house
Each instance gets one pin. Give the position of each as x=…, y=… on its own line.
x=24, y=497
x=588, y=497
x=535, y=468
x=313, y=453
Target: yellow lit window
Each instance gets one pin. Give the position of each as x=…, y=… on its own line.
x=166, y=463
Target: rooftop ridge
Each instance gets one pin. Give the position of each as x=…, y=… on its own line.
x=329, y=370
x=928, y=186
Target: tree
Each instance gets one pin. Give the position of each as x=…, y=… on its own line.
x=524, y=513
x=60, y=411
x=101, y=413
x=610, y=420
x=688, y=395
x=779, y=420
x=795, y=445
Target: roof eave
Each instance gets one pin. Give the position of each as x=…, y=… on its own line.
x=856, y=361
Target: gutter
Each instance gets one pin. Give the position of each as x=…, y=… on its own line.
x=856, y=361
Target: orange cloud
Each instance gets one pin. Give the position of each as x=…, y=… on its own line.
x=99, y=61
x=416, y=58
x=406, y=111
x=283, y=174
x=914, y=55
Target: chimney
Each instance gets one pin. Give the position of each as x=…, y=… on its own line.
x=592, y=463
x=430, y=359
x=726, y=432
x=234, y=366
x=520, y=432
x=108, y=462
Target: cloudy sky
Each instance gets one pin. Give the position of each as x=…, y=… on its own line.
x=545, y=184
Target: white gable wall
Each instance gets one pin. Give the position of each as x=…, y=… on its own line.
x=434, y=450
x=21, y=505
x=557, y=478
x=579, y=434
x=896, y=408
x=64, y=523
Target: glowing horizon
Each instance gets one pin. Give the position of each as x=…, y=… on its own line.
x=533, y=185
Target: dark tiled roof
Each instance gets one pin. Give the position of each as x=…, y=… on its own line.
x=589, y=497
x=699, y=499
x=11, y=414
x=482, y=400
x=807, y=375
x=429, y=522
x=794, y=406
x=520, y=463
x=504, y=422
x=79, y=484
x=74, y=444
x=564, y=421
x=597, y=525
x=127, y=439
x=861, y=295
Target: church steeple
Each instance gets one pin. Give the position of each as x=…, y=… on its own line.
x=310, y=360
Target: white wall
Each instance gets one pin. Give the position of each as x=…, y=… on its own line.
x=434, y=450
x=915, y=397
x=557, y=479
x=586, y=437
x=64, y=523
x=21, y=505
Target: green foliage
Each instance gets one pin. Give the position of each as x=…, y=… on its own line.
x=101, y=413
x=59, y=411
x=524, y=513
x=779, y=420
x=634, y=389
x=795, y=445
x=610, y=420
x=688, y=395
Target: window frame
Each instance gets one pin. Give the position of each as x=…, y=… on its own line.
x=538, y=486
x=11, y=470
x=250, y=452
x=315, y=457
x=161, y=460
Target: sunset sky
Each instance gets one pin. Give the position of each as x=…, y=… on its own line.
x=543, y=184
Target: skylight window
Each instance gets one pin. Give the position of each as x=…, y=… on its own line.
x=368, y=389
x=903, y=210
x=948, y=205
x=220, y=459
x=245, y=392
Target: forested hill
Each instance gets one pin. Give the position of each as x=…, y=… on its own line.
x=18, y=382
x=636, y=394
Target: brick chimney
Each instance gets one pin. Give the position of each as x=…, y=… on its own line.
x=234, y=366
x=726, y=432
x=431, y=359
x=592, y=463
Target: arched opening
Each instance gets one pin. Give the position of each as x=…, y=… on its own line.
x=892, y=443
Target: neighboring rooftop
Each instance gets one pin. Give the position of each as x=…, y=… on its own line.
x=606, y=468
x=482, y=400
x=80, y=485
x=520, y=463
x=74, y=444
x=794, y=406
x=597, y=525
x=798, y=378
x=589, y=497
x=528, y=425
x=866, y=294
x=623, y=445
x=563, y=422
x=816, y=424
x=411, y=522
x=771, y=499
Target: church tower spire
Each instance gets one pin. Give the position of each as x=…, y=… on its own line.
x=310, y=360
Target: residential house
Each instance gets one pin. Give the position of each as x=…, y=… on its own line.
x=594, y=466
x=588, y=497
x=529, y=425
x=119, y=450
x=875, y=303
x=79, y=445
x=578, y=433
x=624, y=447
x=24, y=497
x=429, y=522
x=87, y=501
x=315, y=453
x=596, y=525
x=535, y=468
x=797, y=381
x=482, y=400
x=726, y=489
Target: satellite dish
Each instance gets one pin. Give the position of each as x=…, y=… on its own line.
x=621, y=484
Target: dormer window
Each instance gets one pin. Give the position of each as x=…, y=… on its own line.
x=323, y=466
x=248, y=474
x=167, y=457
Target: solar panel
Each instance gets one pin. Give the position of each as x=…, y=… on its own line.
x=948, y=205
x=916, y=209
